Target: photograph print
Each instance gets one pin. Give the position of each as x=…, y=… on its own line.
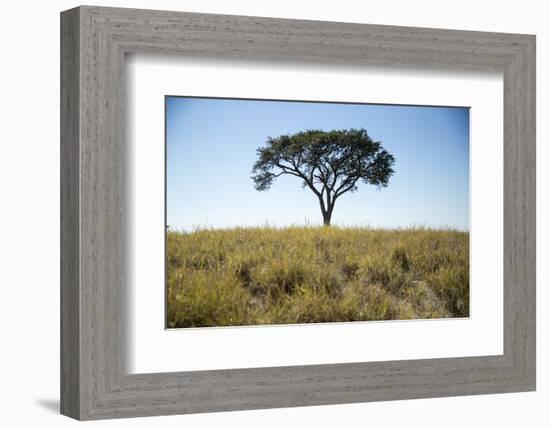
x=294, y=212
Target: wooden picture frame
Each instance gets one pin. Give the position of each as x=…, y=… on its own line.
x=94, y=382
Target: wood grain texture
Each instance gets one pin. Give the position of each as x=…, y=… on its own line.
x=94, y=196
x=70, y=221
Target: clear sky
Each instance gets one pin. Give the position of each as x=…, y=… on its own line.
x=211, y=148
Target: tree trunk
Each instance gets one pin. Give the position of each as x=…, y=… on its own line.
x=326, y=218
x=327, y=212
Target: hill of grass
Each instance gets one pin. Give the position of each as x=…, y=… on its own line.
x=252, y=276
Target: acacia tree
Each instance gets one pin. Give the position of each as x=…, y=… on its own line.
x=330, y=163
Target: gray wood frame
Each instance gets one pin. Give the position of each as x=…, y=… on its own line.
x=94, y=382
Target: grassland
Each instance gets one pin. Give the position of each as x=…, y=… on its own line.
x=252, y=276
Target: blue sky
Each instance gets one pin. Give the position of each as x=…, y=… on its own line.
x=211, y=148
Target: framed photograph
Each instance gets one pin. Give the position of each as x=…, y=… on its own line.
x=261, y=213
x=235, y=257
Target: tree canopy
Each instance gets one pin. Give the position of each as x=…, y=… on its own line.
x=329, y=163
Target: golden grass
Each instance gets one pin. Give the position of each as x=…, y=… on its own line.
x=254, y=276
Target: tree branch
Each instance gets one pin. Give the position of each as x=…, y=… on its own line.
x=341, y=190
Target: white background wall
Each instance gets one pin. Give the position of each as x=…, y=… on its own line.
x=29, y=213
